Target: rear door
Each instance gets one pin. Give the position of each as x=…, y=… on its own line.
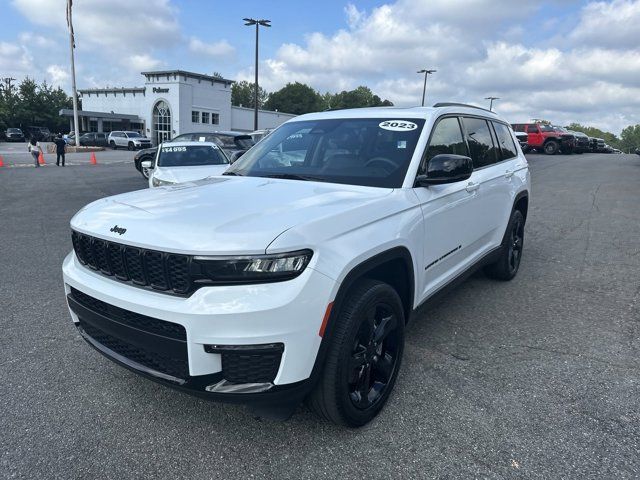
x=494, y=155
x=489, y=181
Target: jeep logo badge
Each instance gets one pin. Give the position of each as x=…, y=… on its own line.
x=118, y=230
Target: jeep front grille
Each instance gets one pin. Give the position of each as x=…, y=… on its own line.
x=167, y=272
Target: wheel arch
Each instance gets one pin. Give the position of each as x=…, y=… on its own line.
x=521, y=202
x=375, y=267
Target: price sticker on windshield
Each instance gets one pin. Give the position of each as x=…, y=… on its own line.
x=173, y=149
x=397, y=125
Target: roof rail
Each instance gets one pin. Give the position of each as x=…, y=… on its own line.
x=454, y=104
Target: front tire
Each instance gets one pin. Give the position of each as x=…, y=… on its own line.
x=364, y=356
x=145, y=171
x=507, y=265
x=113, y=146
x=551, y=147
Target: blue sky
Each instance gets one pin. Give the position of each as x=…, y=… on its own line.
x=564, y=60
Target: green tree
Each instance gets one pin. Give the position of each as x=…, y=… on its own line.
x=630, y=138
x=33, y=104
x=357, y=98
x=242, y=93
x=296, y=98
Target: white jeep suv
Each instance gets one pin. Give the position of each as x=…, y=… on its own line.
x=128, y=140
x=293, y=276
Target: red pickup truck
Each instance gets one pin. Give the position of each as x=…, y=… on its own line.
x=546, y=138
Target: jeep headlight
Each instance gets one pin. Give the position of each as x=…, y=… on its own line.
x=156, y=182
x=254, y=268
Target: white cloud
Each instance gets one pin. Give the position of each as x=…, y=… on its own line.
x=59, y=75
x=144, y=62
x=15, y=60
x=609, y=24
x=116, y=39
x=479, y=47
x=218, y=49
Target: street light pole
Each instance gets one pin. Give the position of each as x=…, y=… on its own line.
x=491, y=99
x=257, y=23
x=72, y=43
x=424, y=88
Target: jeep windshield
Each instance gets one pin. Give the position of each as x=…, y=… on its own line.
x=373, y=152
x=546, y=128
x=190, y=156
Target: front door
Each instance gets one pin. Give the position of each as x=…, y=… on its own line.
x=451, y=214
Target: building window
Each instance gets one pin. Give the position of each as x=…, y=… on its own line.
x=215, y=118
x=205, y=117
x=195, y=116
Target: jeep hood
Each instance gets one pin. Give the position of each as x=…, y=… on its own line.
x=188, y=174
x=220, y=215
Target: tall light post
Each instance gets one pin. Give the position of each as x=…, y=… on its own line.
x=491, y=99
x=424, y=88
x=72, y=44
x=257, y=23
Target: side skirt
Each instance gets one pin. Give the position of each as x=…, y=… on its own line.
x=445, y=289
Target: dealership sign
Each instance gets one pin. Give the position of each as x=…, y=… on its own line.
x=160, y=90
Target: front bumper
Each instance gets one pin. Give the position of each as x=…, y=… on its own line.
x=284, y=317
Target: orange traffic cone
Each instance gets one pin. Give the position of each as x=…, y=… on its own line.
x=1, y=161
x=93, y=159
x=41, y=159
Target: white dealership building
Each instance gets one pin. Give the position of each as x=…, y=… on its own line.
x=170, y=103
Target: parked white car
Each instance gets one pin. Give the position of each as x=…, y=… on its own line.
x=128, y=140
x=180, y=162
x=293, y=275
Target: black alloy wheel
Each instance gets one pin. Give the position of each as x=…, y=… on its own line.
x=364, y=354
x=516, y=242
x=508, y=261
x=374, y=356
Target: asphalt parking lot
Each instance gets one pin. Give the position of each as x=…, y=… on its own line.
x=16, y=154
x=535, y=378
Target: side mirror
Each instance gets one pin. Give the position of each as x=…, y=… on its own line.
x=146, y=164
x=446, y=168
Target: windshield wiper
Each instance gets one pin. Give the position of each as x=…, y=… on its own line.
x=232, y=174
x=294, y=176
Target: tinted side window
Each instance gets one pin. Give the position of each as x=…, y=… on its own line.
x=446, y=138
x=532, y=129
x=226, y=141
x=505, y=141
x=185, y=137
x=483, y=151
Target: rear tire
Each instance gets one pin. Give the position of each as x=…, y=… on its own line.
x=112, y=144
x=364, y=356
x=551, y=147
x=507, y=265
x=130, y=146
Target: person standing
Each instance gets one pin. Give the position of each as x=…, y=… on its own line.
x=60, y=144
x=35, y=149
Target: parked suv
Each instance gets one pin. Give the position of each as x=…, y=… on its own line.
x=547, y=138
x=14, y=135
x=582, y=142
x=41, y=134
x=293, y=276
x=128, y=140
